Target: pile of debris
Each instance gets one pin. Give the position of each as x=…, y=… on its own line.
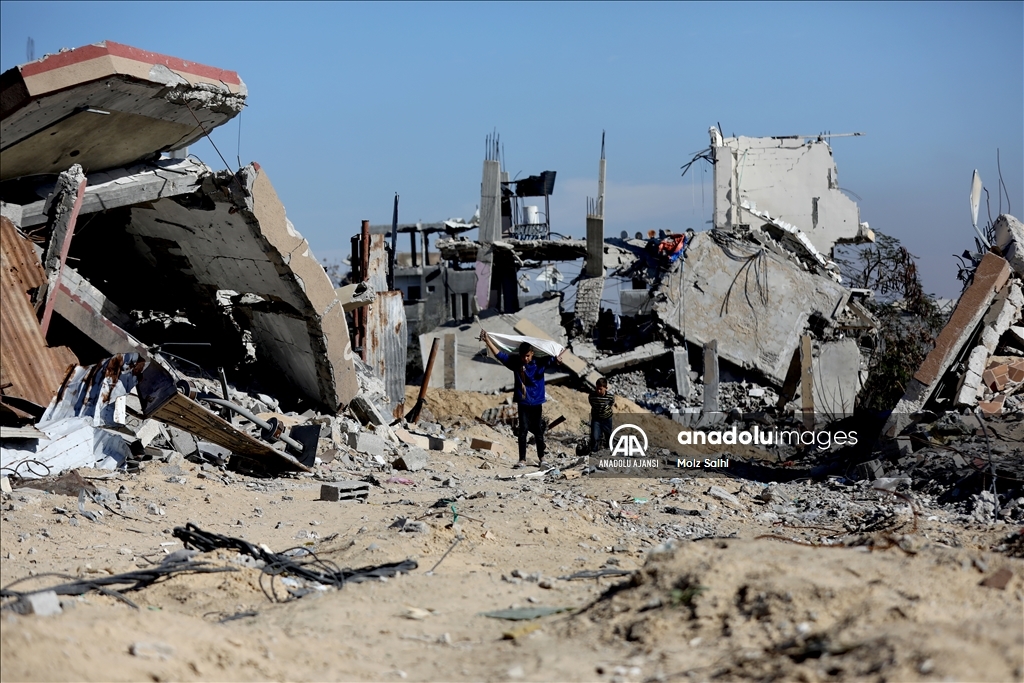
x=978, y=359
x=137, y=281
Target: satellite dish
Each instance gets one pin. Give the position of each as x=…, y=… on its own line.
x=976, y=188
x=975, y=197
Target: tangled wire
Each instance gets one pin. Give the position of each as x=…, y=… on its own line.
x=309, y=568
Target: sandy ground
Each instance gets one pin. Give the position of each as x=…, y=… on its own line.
x=905, y=604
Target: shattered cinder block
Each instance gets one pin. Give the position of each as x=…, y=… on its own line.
x=43, y=604
x=367, y=411
x=413, y=460
x=366, y=443
x=970, y=383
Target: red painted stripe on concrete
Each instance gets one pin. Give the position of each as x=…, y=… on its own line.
x=87, y=52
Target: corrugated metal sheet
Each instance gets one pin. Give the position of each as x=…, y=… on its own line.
x=28, y=368
x=386, y=345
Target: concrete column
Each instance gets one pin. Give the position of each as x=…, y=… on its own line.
x=66, y=203
x=450, y=356
x=806, y=381
x=681, y=361
x=595, y=246
x=711, y=377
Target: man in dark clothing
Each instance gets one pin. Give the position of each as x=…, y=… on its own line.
x=601, y=403
x=528, y=392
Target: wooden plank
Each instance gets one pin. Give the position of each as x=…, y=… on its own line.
x=184, y=413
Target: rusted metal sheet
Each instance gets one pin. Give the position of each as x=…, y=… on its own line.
x=28, y=368
x=386, y=345
x=160, y=400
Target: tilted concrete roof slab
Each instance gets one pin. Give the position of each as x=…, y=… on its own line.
x=753, y=301
x=233, y=235
x=108, y=105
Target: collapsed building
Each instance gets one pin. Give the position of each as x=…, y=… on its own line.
x=760, y=291
x=117, y=243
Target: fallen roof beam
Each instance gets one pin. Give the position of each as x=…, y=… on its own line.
x=641, y=354
x=465, y=251
x=129, y=186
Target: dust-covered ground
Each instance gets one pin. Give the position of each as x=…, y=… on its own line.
x=797, y=581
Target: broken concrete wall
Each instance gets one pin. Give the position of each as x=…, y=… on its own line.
x=754, y=302
x=1010, y=240
x=790, y=178
x=108, y=105
x=233, y=236
x=989, y=278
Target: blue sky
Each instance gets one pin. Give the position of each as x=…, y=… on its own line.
x=350, y=103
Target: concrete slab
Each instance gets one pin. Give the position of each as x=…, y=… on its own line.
x=990, y=277
x=754, y=302
x=108, y=105
x=243, y=242
x=836, y=377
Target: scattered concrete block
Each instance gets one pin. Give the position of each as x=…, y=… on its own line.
x=484, y=445
x=159, y=651
x=367, y=411
x=970, y=381
x=44, y=604
x=424, y=441
x=723, y=495
x=5, y=484
x=149, y=431
x=366, y=443
x=182, y=441
x=344, y=490
x=407, y=437
x=413, y=460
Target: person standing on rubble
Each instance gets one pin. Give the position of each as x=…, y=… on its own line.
x=601, y=403
x=528, y=392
